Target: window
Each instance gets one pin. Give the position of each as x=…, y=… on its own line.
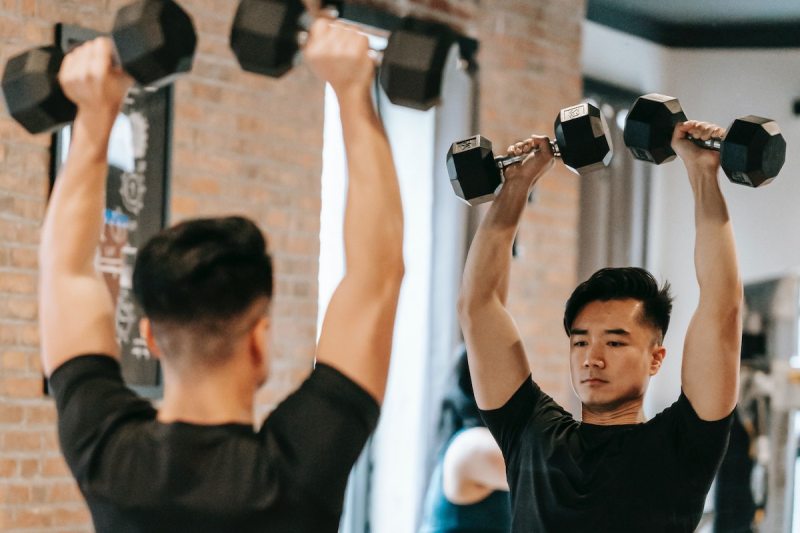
x=387, y=485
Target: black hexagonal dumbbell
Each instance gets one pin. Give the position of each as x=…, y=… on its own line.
x=267, y=35
x=582, y=142
x=752, y=152
x=154, y=42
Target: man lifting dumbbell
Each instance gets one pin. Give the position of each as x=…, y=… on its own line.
x=267, y=35
x=205, y=287
x=582, y=142
x=154, y=41
x=751, y=153
x=614, y=471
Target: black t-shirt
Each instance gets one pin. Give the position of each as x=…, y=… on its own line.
x=140, y=475
x=566, y=476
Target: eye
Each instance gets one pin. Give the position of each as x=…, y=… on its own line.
x=580, y=343
x=615, y=344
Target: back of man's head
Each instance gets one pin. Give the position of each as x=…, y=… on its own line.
x=199, y=278
x=621, y=284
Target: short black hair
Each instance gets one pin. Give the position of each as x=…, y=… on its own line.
x=202, y=270
x=620, y=284
x=459, y=407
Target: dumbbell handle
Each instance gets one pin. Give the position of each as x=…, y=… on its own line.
x=504, y=161
x=714, y=143
x=332, y=13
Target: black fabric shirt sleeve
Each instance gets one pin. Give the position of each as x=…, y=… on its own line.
x=92, y=401
x=321, y=429
x=528, y=407
x=701, y=442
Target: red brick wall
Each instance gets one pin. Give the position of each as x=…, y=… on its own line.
x=530, y=65
x=250, y=145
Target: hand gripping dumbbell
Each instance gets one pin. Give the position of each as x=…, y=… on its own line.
x=582, y=142
x=268, y=34
x=752, y=152
x=154, y=41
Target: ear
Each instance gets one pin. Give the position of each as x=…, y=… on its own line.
x=259, y=340
x=146, y=331
x=656, y=358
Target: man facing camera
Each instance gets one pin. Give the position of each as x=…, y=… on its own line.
x=205, y=286
x=613, y=471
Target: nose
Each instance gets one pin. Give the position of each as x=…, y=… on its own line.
x=594, y=358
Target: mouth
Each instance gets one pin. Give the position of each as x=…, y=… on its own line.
x=593, y=381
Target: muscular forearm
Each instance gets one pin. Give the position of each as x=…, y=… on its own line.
x=486, y=273
x=74, y=217
x=373, y=225
x=715, y=252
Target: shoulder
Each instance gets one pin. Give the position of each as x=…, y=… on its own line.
x=682, y=411
x=694, y=438
x=327, y=388
x=469, y=444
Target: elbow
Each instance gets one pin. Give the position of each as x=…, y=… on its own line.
x=397, y=272
x=467, y=307
x=736, y=303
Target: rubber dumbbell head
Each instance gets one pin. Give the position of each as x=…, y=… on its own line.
x=753, y=151
x=264, y=36
x=155, y=41
x=473, y=170
x=649, y=127
x=582, y=142
x=583, y=139
x=33, y=95
x=413, y=63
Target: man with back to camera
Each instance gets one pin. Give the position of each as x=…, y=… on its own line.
x=614, y=471
x=205, y=286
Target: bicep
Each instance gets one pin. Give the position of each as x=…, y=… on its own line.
x=76, y=317
x=497, y=361
x=357, y=332
x=710, y=369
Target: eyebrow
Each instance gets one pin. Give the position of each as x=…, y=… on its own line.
x=616, y=331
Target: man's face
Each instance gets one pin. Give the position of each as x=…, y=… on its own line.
x=613, y=353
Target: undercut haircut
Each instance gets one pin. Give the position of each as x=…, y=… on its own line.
x=203, y=272
x=621, y=284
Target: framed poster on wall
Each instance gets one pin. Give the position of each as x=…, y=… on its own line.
x=136, y=206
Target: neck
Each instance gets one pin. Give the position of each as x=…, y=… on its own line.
x=631, y=412
x=207, y=397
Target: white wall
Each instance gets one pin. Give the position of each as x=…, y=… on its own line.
x=714, y=85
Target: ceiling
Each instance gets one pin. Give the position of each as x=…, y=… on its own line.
x=704, y=23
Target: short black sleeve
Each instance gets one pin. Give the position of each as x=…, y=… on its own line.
x=529, y=406
x=702, y=442
x=92, y=400
x=321, y=429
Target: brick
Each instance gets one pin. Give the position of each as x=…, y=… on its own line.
x=29, y=468
x=8, y=467
x=10, y=414
x=21, y=387
x=17, y=282
x=40, y=414
x=63, y=492
x=54, y=467
x=15, y=493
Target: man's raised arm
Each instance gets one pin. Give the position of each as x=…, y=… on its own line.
x=497, y=358
x=357, y=331
x=710, y=371
x=75, y=307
